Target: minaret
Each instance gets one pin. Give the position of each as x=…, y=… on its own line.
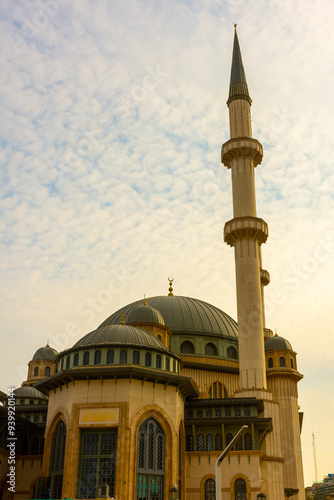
x=246, y=232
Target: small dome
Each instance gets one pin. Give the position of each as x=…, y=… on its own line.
x=121, y=335
x=29, y=392
x=276, y=343
x=46, y=352
x=144, y=314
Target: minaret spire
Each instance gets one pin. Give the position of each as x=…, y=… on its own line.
x=246, y=232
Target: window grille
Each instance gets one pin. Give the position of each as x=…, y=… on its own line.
x=86, y=358
x=218, y=413
x=187, y=347
x=217, y=391
x=238, y=445
x=174, y=366
x=167, y=364
x=229, y=438
x=247, y=412
x=240, y=489
x=97, y=357
x=123, y=358
x=98, y=462
x=237, y=412
x=227, y=413
x=218, y=442
x=209, y=442
x=148, y=359
x=68, y=362
x=110, y=357
x=190, y=442
x=135, y=357
x=76, y=359
x=209, y=413
x=158, y=361
x=248, y=441
x=150, y=461
x=47, y=371
x=211, y=349
x=200, y=442
x=232, y=352
x=210, y=489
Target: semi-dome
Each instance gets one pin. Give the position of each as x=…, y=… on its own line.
x=277, y=342
x=120, y=335
x=43, y=353
x=185, y=315
x=29, y=392
x=144, y=314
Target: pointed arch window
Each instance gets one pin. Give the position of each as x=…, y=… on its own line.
x=76, y=359
x=190, y=442
x=148, y=359
x=36, y=371
x=150, y=460
x=200, y=442
x=110, y=357
x=123, y=357
x=229, y=438
x=282, y=362
x=270, y=362
x=135, y=357
x=57, y=459
x=248, y=441
x=218, y=442
x=217, y=391
x=209, y=442
x=240, y=489
x=47, y=371
x=167, y=364
x=68, y=362
x=158, y=361
x=86, y=358
x=210, y=489
x=97, y=357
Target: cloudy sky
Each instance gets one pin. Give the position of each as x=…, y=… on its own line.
x=113, y=115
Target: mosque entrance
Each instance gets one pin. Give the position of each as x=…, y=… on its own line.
x=150, y=461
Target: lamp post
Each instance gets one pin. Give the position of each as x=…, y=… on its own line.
x=221, y=458
x=261, y=496
x=173, y=494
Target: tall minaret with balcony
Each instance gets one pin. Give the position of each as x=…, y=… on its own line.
x=246, y=232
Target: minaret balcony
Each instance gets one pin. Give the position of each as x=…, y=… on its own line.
x=265, y=277
x=241, y=228
x=241, y=148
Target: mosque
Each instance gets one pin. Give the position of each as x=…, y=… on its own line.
x=142, y=407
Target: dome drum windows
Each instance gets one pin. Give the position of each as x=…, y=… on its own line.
x=211, y=349
x=232, y=352
x=282, y=362
x=36, y=371
x=110, y=357
x=187, y=347
x=97, y=357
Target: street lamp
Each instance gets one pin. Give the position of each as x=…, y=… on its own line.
x=221, y=458
x=261, y=496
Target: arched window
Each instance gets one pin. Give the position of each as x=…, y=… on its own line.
x=291, y=363
x=238, y=445
x=174, y=365
x=229, y=438
x=232, y=352
x=227, y=413
x=240, y=489
x=237, y=412
x=209, y=413
x=110, y=357
x=159, y=337
x=150, y=460
x=31, y=402
x=247, y=412
x=97, y=357
x=135, y=358
x=218, y=413
x=35, y=447
x=57, y=459
x=218, y=442
x=22, y=402
x=36, y=371
x=123, y=357
x=190, y=442
x=167, y=364
x=76, y=359
x=62, y=364
x=248, y=441
x=36, y=418
x=47, y=371
x=217, y=391
x=210, y=489
x=211, y=349
x=200, y=442
x=209, y=442
x=86, y=358
x=158, y=361
x=187, y=347
x=68, y=362
x=270, y=362
x=199, y=414
x=148, y=359
x=282, y=361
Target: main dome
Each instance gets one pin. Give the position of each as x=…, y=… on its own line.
x=185, y=315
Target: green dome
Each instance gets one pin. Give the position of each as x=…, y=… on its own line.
x=45, y=353
x=144, y=314
x=277, y=342
x=185, y=315
x=29, y=392
x=120, y=335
